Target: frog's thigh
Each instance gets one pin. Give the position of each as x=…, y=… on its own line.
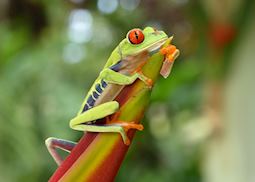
x=93, y=114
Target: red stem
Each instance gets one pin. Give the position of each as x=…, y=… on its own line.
x=110, y=166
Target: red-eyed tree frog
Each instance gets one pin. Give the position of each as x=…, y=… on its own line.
x=122, y=68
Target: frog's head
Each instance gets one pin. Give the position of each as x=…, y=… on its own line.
x=138, y=40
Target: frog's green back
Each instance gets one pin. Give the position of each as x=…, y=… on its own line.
x=114, y=58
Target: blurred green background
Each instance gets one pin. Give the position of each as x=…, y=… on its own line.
x=200, y=124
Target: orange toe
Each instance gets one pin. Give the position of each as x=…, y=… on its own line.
x=168, y=50
x=128, y=126
x=127, y=141
x=149, y=82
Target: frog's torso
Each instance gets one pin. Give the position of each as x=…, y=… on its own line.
x=127, y=58
x=102, y=91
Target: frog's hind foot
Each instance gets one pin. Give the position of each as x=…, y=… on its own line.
x=126, y=126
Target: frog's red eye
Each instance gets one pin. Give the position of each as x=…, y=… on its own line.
x=135, y=36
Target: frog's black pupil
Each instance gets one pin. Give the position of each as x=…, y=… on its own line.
x=136, y=35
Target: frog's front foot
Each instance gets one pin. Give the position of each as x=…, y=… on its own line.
x=149, y=82
x=171, y=52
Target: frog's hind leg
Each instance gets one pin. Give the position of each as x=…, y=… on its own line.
x=94, y=114
x=120, y=127
x=54, y=143
x=83, y=121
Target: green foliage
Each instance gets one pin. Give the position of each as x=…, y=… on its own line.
x=41, y=90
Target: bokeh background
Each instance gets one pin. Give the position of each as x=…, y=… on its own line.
x=201, y=122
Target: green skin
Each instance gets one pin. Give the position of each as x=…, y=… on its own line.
x=85, y=121
x=110, y=76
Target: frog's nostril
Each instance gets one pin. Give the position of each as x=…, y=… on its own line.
x=155, y=30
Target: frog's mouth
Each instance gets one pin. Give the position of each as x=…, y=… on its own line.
x=156, y=46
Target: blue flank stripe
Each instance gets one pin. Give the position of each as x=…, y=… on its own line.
x=85, y=108
x=94, y=96
x=117, y=66
x=103, y=83
x=91, y=101
x=98, y=88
